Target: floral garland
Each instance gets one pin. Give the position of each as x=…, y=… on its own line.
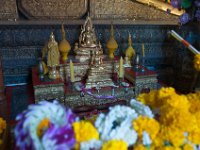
x=45, y=126
x=51, y=126
x=117, y=124
x=178, y=118
x=2, y=127
x=141, y=109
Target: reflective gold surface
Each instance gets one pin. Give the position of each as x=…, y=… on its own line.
x=53, y=57
x=87, y=42
x=97, y=75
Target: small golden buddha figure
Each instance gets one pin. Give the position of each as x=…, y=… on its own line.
x=87, y=42
x=88, y=37
x=97, y=74
x=53, y=59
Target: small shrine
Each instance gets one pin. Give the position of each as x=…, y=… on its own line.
x=99, y=75
x=92, y=79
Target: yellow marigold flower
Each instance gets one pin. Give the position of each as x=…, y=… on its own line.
x=188, y=147
x=158, y=141
x=115, y=145
x=149, y=99
x=174, y=135
x=165, y=92
x=194, y=105
x=150, y=125
x=139, y=147
x=194, y=137
x=2, y=125
x=43, y=126
x=85, y=131
x=167, y=148
x=197, y=116
x=179, y=118
x=175, y=100
x=197, y=62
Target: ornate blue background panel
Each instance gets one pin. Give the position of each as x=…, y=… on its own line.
x=21, y=46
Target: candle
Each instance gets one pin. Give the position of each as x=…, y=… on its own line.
x=71, y=71
x=143, y=50
x=188, y=45
x=121, y=68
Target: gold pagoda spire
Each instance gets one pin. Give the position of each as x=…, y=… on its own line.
x=130, y=52
x=64, y=46
x=112, y=43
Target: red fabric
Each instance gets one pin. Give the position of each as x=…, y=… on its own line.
x=147, y=72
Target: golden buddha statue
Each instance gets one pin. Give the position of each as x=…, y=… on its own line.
x=87, y=42
x=98, y=76
x=88, y=37
x=53, y=58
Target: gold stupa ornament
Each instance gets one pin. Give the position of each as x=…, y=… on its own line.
x=130, y=52
x=111, y=44
x=53, y=57
x=64, y=45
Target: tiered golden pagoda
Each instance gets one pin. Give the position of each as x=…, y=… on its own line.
x=64, y=45
x=112, y=44
x=87, y=42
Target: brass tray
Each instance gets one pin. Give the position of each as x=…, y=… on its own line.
x=127, y=9
x=8, y=10
x=53, y=9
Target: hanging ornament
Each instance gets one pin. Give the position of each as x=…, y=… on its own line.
x=184, y=18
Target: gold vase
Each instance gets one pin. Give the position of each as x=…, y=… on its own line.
x=130, y=52
x=64, y=46
x=111, y=44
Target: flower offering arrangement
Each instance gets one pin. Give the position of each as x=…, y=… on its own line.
x=161, y=119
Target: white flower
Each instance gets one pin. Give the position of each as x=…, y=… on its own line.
x=92, y=144
x=33, y=116
x=141, y=109
x=117, y=124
